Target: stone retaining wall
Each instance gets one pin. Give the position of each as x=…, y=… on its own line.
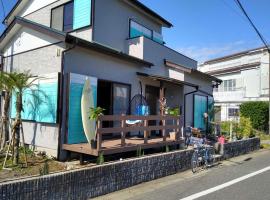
x=100, y=180
x=232, y=149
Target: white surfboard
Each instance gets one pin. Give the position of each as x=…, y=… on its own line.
x=87, y=102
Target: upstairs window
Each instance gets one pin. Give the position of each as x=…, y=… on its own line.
x=68, y=17
x=137, y=30
x=73, y=15
x=229, y=85
x=62, y=17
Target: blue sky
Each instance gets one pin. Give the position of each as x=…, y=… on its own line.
x=205, y=29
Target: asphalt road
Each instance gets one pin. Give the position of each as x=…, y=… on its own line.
x=242, y=178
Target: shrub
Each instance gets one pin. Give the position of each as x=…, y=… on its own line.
x=44, y=170
x=225, y=128
x=245, y=128
x=258, y=112
x=100, y=159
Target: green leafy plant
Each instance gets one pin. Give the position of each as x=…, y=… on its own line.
x=173, y=111
x=45, y=169
x=139, y=152
x=167, y=149
x=245, y=127
x=95, y=113
x=21, y=82
x=100, y=159
x=258, y=113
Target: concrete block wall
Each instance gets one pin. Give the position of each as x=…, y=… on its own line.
x=232, y=149
x=100, y=180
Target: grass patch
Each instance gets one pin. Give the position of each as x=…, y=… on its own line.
x=36, y=165
x=265, y=146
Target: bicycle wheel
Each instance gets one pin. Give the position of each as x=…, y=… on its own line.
x=209, y=161
x=194, y=162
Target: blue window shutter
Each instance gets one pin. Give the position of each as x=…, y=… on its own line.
x=82, y=13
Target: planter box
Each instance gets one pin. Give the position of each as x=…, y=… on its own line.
x=173, y=135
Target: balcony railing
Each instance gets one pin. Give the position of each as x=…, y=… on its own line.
x=167, y=123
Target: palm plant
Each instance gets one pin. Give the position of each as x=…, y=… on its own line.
x=7, y=86
x=20, y=82
x=95, y=113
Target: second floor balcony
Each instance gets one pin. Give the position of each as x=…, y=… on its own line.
x=147, y=49
x=234, y=95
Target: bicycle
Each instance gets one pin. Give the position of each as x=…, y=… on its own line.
x=203, y=156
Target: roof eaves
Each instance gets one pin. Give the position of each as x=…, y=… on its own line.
x=233, y=55
x=35, y=26
x=207, y=75
x=12, y=10
x=151, y=12
x=105, y=49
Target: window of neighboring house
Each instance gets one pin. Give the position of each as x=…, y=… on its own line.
x=233, y=112
x=229, y=85
x=137, y=30
x=62, y=17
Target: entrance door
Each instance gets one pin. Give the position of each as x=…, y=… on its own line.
x=152, y=98
x=200, y=107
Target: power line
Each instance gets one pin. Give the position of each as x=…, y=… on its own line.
x=238, y=3
x=234, y=10
x=4, y=11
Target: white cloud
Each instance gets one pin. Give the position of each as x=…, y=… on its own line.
x=202, y=53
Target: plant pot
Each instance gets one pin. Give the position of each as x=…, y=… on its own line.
x=173, y=135
x=93, y=144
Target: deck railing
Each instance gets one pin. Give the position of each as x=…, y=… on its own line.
x=162, y=125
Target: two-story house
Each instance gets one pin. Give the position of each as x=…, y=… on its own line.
x=117, y=44
x=245, y=78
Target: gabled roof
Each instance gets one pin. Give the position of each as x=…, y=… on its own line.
x=133, y=2
x=150, y=12
x=235, y=55
x=65, y=37
x=190, y=70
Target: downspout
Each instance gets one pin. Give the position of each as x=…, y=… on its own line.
x=185, y=95
x=61, y=101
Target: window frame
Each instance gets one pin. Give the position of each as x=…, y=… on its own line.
x=91, y=16
x=152, y=31
x=234, y=114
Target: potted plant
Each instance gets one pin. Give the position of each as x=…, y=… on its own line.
x=95, y=113
x=174, y=112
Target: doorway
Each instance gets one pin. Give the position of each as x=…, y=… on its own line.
x=114, y=98
x=152, y=98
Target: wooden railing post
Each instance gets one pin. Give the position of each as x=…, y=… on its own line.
x=145, y=133
x=123, y=133
x=163, y=129
x=178, y=129
x=99, y=136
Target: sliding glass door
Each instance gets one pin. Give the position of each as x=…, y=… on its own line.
x=121, y=98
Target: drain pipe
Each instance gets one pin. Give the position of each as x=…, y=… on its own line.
x=61, y=98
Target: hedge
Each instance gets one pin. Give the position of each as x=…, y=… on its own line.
x=258, y=112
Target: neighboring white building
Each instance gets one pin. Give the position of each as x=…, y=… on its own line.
x=245, y=78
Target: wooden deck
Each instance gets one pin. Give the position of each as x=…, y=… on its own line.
x=114, y=146
x=164, y=124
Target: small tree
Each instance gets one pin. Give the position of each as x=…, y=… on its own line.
x=95, y=113
x=21, y=82
x=6, y=85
